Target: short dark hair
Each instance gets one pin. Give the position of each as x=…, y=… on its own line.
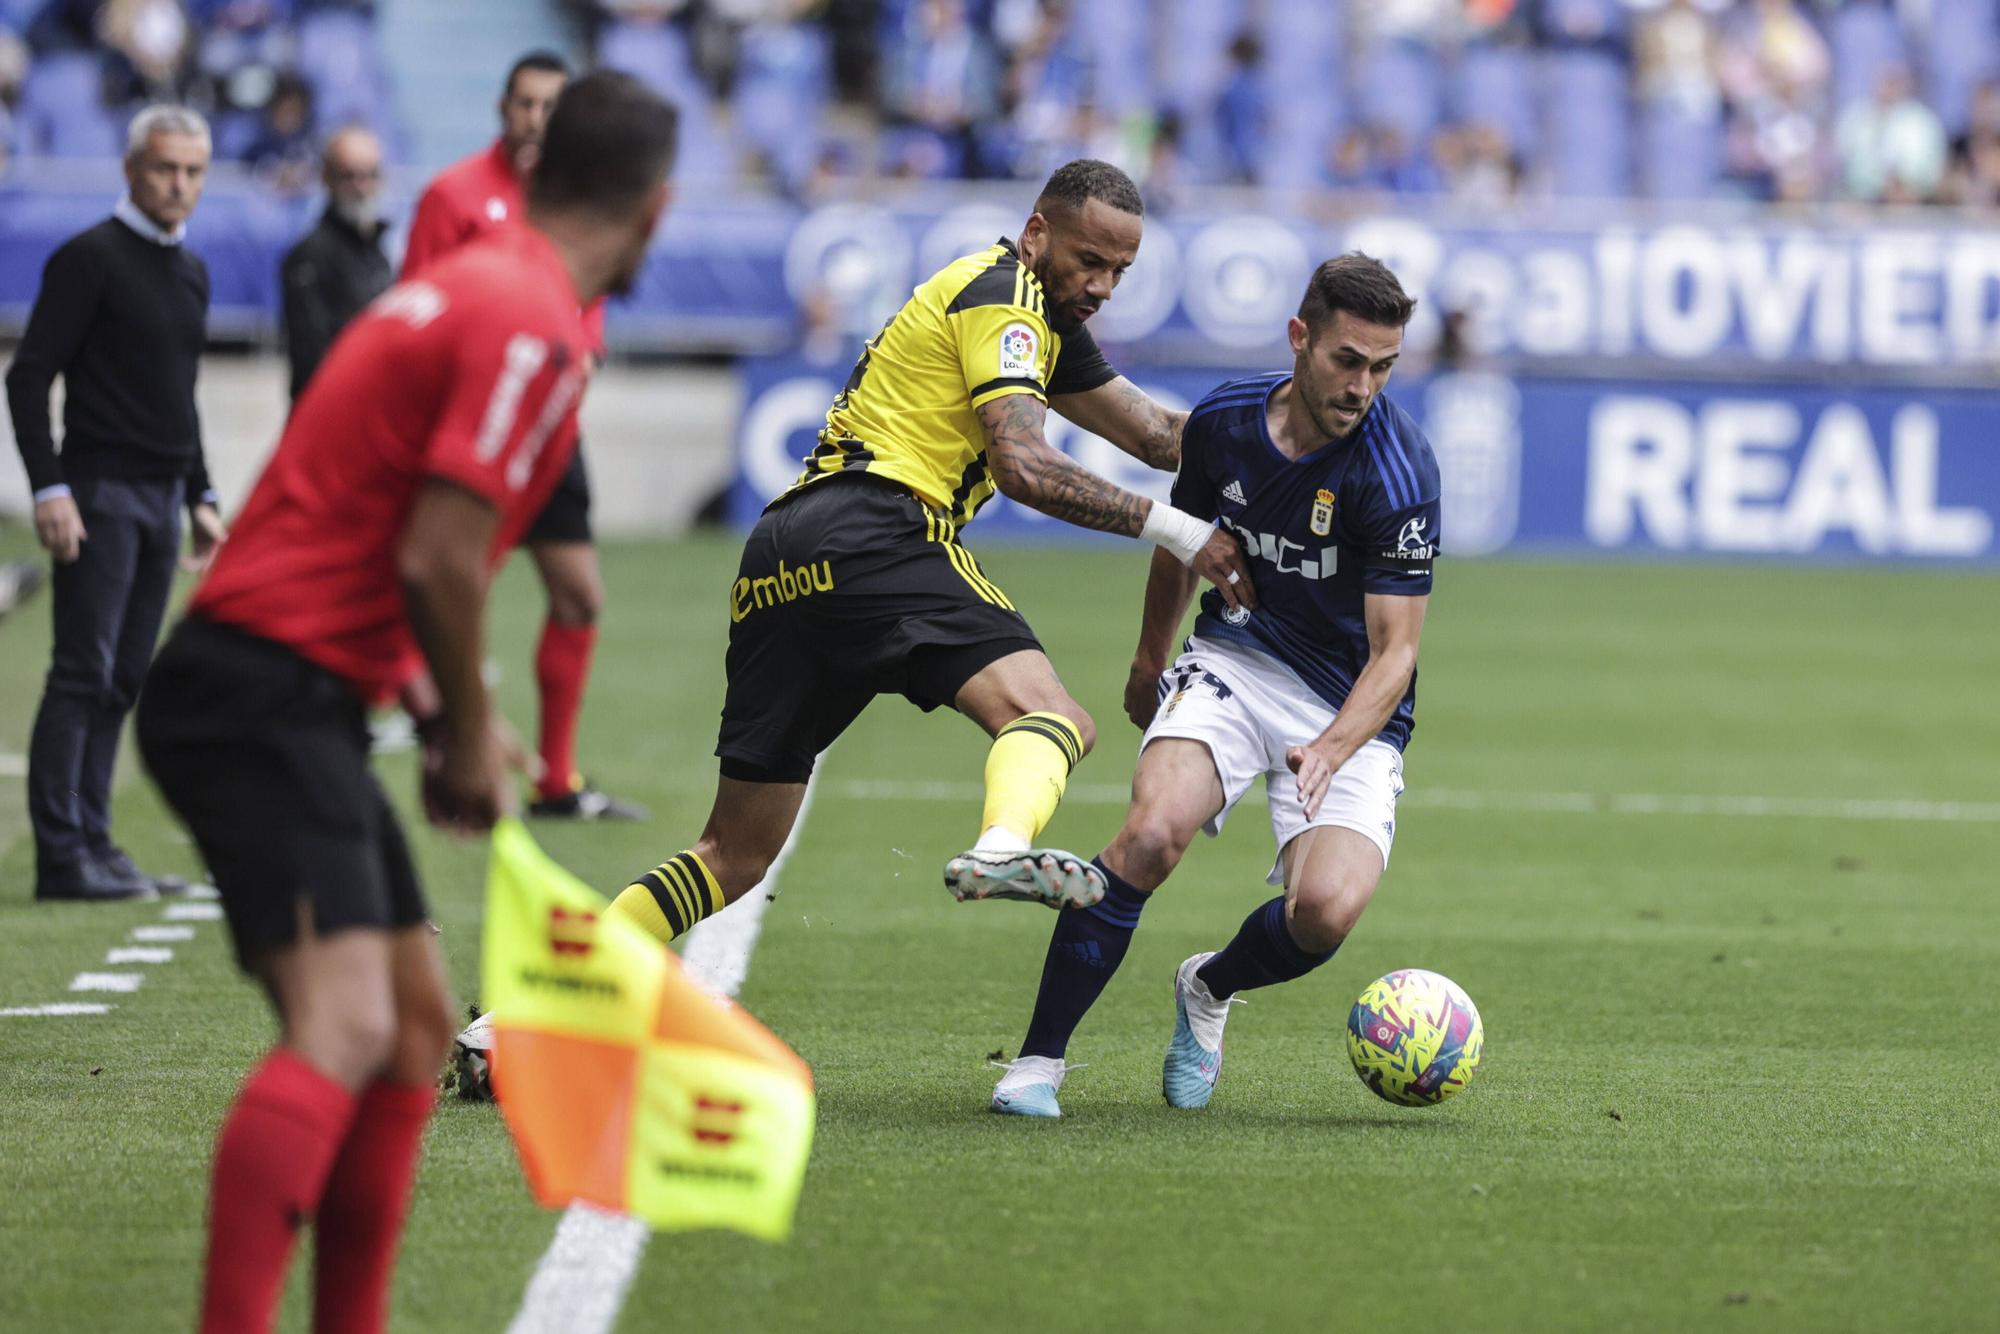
x=1077, y=183
x=542, y=62
x=609, y=141
x=1359, y=284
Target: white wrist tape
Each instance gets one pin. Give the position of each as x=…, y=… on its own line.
x=1176, y=531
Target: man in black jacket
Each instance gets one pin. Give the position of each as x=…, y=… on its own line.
x=338, y=267
x=121, y=317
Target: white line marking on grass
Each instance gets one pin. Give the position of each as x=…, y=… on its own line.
x=580, y=1285
x=13, y=766
x=1548, y=803
x=140, y=954
x=193, y=912
x=160, y=933
x=125, y=982
x=59, y=1010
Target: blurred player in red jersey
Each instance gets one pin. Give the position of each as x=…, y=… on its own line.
x=427, y=441
x=467, y=200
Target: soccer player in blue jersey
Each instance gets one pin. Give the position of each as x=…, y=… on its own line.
x=1333, y=491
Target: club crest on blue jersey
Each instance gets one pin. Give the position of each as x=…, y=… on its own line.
x=1322, y=514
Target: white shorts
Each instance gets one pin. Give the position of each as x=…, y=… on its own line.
x=1247, y=708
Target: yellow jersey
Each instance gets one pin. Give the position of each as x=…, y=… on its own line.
x=977, y=330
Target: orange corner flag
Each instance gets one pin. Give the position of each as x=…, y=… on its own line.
x=623, y=1083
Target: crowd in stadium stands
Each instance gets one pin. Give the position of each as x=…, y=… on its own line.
x=273, y=76
x=1478, y=101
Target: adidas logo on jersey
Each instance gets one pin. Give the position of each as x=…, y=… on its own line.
x=1232, y=490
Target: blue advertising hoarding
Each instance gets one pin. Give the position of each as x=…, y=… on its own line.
x=1910, y=295
x=1578, y=466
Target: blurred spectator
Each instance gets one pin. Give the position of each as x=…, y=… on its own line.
x=943, y=80
x=154, y=43
x=339, y=266
x=1239, y=111
x=282, y=153
x=1892, y=149
x=1975, y=165
x=1476, y=168
x=1772, y=51
x=1674, y=55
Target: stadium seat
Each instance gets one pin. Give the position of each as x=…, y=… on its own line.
x=337, y=56
x=1494, y=85
x=783, y=82
x=62, y=112
x=1399, y=84
x=1101, y=34
x=1303, y=88
x=1866, y=40
x=1585, y=121
x=1680, y=152
x=1964, y=49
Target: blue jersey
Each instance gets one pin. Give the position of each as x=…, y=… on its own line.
x=1357, y=516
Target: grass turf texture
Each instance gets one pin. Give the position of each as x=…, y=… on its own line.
x=1736, y=1070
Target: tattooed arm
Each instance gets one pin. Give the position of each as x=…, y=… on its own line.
x=1027, y=469
x=1129, y=418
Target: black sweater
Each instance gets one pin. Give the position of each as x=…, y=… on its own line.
x=329, y=277
x=122, y=320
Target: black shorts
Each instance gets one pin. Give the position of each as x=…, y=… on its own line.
x=264, y=756
x=850, y=589
x=566, y=516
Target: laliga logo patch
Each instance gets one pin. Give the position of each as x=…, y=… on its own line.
x=1018, y=347
x=1322, y=514
x=1410, y=542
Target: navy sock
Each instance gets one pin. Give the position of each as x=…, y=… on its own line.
x=1263, y=953
x=1086, y=949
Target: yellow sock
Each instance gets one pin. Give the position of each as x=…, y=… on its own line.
x=1027, y=770
x=670, y=898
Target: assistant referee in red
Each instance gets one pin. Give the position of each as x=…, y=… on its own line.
x=427, y=440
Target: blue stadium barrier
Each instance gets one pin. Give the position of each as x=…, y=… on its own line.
x=1569, y=466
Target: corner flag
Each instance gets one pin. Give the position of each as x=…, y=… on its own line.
x=624, y=1084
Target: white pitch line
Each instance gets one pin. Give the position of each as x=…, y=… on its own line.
x=580, y=1285
x=121, y=982
x=58, y=1010
x=193, y=912
x=1547, y=803
x=153, y=934
x=140, y=954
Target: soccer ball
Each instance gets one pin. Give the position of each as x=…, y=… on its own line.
x=1414, y=1037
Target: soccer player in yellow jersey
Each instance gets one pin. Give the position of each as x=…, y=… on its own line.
x=853, y=583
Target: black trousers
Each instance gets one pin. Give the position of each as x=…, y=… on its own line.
x=108, y=604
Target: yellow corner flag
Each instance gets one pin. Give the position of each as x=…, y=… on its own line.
x=623, y=1083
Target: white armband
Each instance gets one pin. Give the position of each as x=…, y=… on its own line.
x=1176, y=531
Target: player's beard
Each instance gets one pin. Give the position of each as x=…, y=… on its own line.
x=1313, y=400
x=1059, y=316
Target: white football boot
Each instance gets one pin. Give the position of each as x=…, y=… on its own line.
x=1194, y=1054
x=1030, y=1085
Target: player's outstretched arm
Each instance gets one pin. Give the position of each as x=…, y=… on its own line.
x=1395, y=624
x=1129, y=418
x=1028, y=469
x=1170, y=587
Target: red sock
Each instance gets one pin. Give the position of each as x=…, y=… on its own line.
x=562, y=665
x=361, y=1215
x=271, y=1161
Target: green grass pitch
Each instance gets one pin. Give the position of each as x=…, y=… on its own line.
x=1739, y=1070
